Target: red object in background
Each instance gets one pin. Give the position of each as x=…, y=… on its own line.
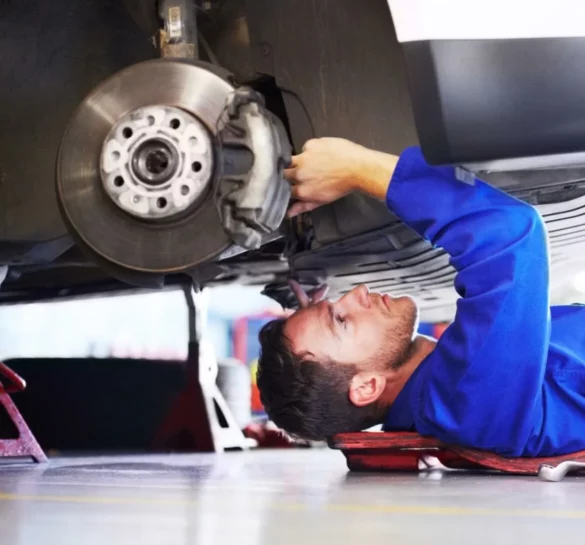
x=403, y=451
x=439, y=329
x=187, y=426
x=246, y=348
x=25, y=445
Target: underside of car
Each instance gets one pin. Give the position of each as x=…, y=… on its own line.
x=142, y=143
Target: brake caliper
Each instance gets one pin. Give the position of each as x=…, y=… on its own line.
x=252, y=196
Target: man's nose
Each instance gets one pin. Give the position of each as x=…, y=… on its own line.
x=358, y=296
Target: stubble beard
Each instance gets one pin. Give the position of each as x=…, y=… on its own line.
x=401, y=336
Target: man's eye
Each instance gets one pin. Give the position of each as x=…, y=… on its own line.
x=340, y=319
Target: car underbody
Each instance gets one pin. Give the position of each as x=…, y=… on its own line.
x=323, y=70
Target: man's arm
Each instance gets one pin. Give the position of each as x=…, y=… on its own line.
x=482, y=384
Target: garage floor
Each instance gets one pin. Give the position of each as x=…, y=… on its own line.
x=276, y=498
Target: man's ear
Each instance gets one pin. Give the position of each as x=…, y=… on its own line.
x=366, y=388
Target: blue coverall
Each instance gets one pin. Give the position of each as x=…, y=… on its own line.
x=508, y=375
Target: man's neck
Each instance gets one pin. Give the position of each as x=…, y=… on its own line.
x=421, y=347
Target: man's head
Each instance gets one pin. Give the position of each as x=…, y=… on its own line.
x=325, y=369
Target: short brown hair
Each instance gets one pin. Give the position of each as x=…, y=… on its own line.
x=305, y=398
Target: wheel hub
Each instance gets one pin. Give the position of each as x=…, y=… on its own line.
x=136, y=169
x=165, y=165
x=156, y=162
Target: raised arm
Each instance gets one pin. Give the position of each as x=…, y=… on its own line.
x=482, y=385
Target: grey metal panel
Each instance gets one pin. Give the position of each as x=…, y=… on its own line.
x=342, y=60
x=482, y=100
x=52, y=53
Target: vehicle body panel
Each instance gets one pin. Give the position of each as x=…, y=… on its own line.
x=330, y=69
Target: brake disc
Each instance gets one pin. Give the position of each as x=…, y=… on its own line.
x=137, y=167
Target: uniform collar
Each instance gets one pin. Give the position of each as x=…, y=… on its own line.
x=400, y=416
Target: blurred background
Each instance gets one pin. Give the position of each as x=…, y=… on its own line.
x=104, y=372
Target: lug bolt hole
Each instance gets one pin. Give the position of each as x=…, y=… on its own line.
x=116, y=155
x=175, y=123
x=118, y=181
x=161, y=202
x=196, y=166
x=127, y=132
x=184, y=190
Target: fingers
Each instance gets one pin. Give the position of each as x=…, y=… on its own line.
x=290, y=172
x=310, y=144
x=302, y=297
x=295, y=161
x=297, y=193
x=304, y=191
x=301, y=207
x=290, y=175
x=305, y=299
x=319, y=294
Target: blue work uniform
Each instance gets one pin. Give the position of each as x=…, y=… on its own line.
x=508, y=375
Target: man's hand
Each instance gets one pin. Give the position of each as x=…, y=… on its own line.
x=330, y=168
x=305, y=299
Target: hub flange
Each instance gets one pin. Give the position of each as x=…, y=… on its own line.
x=156, y=162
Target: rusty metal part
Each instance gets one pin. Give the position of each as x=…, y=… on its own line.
x=176, y=51
x=178, y=38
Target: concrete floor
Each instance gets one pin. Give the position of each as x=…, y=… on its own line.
x=276, y=498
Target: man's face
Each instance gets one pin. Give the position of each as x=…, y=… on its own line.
x=372, y=331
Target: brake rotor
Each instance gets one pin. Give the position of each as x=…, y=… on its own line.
x=137, y=167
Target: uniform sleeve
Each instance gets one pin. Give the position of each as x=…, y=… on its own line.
x=482, y=385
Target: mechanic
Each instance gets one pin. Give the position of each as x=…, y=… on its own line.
x=508, y=375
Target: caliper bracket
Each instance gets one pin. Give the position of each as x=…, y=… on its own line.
x=252, y=195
